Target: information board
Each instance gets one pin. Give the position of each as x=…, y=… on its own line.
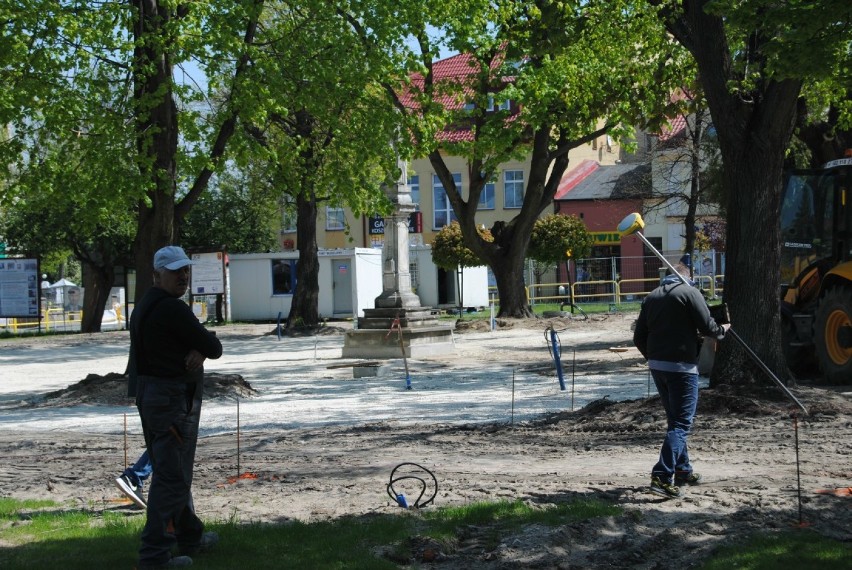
x=208, y=273
x=19, y=287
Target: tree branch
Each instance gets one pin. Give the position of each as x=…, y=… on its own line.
x=226, y=130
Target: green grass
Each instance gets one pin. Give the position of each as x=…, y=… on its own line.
x=37, y=535
x=803, y=550
x=504, y=517
x=43, y=534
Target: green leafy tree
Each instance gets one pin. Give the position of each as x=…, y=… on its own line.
x=754, y=57
x=236, y=214
x=48, y=216
x=329, y=141
x=573, y=72
x=100, y=77
x=221, y=37
x=823, y=123
x=449, y=250
x=556, y=238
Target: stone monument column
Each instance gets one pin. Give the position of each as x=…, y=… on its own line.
x=398, y=325
x=396, y=275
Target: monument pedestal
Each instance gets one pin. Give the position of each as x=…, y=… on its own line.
x=378, y=332
x=422, y=334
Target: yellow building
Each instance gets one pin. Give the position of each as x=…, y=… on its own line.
x=501, y=199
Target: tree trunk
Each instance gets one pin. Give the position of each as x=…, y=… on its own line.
x=753, y=250
x=754, y=128
x=156, y=227
x=304, y=309
x=506, y=255
x=156, y=134
x=696, y=134
x=97, y=283
x=511, y=289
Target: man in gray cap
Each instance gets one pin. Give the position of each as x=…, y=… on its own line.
x=168, y=346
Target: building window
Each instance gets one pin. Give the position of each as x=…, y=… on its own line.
x=444, y=214
x=414, y=185
x=513, y=187
x=504, y=105
x=486, y=197
x=288, y=223
x=334, y=218
x=415, y=275
x=283, y=276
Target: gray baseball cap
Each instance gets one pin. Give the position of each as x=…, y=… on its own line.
x=171, y=257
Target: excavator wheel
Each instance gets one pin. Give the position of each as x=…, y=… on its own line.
x=833, y=335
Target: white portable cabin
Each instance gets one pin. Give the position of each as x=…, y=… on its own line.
x=262, y=284
x=474, y=282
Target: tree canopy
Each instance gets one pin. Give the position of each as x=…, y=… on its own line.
x=572, y=71
x=754, y=57
x=449, y=251
x=556, y=238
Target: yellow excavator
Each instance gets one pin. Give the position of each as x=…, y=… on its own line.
x=816, y=271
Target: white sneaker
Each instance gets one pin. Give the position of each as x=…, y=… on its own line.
x=133, y=492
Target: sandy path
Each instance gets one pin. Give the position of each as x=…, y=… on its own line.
x=316, y=472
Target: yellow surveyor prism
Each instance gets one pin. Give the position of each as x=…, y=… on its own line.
x=631, y=224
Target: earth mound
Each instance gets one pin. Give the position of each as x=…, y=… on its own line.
x=111, y=390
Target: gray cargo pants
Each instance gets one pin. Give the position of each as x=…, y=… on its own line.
x=170, y=409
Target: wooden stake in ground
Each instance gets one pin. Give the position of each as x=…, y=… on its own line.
x=396, y=325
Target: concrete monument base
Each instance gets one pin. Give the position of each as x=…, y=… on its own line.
x=422, y=335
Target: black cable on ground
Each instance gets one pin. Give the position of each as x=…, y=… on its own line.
x=399, y=498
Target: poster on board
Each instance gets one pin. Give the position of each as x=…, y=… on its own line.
x=19, y=288
x=208, y=273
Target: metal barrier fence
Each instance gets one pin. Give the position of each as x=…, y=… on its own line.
x=612, y=280
x=51, y=319
x=624, y=290
x=57, y=319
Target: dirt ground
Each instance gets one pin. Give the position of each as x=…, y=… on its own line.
x=745, y=446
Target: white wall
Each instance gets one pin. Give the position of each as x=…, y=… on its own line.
x=366, y=268
x=427, y=275
x=250, y=283
x=474, y=286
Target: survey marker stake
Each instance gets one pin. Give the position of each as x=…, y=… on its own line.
x=396, y=325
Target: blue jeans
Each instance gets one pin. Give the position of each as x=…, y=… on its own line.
x=139, y=471
x=679, y=394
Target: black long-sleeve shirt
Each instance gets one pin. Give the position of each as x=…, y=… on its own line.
x=163, y=329
x=668, y=321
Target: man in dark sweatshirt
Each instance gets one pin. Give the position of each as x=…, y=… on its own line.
x=168, y=346
x=666, y=335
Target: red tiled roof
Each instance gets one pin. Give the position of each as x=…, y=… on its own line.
x=457, y=68
x=571, y=178
x=674, y=128
x=457, y=135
